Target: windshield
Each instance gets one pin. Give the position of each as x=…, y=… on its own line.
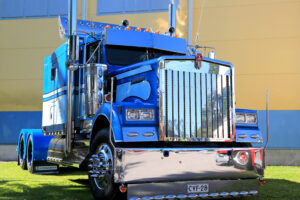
x=124, y=55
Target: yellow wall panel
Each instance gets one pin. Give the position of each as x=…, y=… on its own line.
x=21, y=95
x=262, y=40
x=260, y=37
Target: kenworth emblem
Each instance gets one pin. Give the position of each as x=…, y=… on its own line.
x=199, y=59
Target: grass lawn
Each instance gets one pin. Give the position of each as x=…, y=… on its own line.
x=282, y=183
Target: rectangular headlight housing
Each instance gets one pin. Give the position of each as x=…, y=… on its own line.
x=246, y=118
x=139, y=114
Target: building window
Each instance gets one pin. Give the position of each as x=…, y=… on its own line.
x=114, y=7
x=22, y=9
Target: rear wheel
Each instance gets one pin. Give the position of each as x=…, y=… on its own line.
x=29, y=157
x=21, y=155
x=101, y=169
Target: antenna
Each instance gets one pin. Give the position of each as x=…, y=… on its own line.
x=197, y=38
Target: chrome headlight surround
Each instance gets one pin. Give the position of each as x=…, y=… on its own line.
x=246, y=118
x=139, y=114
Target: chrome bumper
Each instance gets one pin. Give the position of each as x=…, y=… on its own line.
x=148, y=165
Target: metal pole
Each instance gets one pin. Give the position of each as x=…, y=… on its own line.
x=190, y=22
x=84, y=9
x=71, y=66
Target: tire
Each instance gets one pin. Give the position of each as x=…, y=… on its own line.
x=21, y=155
x=29, y=158
x=104, y=188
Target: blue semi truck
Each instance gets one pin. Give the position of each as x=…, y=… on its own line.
x=148, y=116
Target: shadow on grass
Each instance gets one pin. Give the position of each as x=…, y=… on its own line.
x=46, y=191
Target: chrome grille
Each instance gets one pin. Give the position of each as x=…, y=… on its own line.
x=195, y=104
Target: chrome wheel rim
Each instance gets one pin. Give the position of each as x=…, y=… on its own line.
x=100, y=167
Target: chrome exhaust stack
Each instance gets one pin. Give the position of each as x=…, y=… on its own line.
x=72, y=65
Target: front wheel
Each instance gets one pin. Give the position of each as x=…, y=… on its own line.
x=101, y=169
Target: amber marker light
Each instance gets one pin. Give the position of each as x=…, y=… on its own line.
x=175, y=35
x=147, y=30
x=107, y=26
x=123, y=188
x=128, y=28
x=138, y=29
x=262, y=182
x=157, y=32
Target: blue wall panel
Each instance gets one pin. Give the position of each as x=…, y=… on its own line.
x=109, y=7
x=12, y=122
x=22, y=9
x=33, y=8
x=11, y=8
x=284, y=128
x=57, y=7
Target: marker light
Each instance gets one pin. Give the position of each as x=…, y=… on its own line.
x=107, y=26
x=138, y=29
x=128, y=28
x=175, y=35
x=157, y=32
x=147, y=30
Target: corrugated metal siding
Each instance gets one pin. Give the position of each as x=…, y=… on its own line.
x=20, y=9
x=111, y=7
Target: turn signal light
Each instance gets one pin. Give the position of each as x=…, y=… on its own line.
x=262, y=182
x=107, y=98
x=123, y=188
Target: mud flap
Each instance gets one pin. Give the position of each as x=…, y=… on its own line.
x=42, y=167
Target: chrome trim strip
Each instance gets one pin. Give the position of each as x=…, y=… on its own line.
x=200, y=196
x=55, y=92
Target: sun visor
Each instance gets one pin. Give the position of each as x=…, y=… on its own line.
x=145, y=39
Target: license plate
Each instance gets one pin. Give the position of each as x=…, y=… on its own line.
x=197, y=188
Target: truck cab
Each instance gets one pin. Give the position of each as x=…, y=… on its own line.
x=150, y=118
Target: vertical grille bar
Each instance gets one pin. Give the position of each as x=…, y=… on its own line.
x=166, y=104
x=230, y=105
x=220, y=108
x=204, y=105
x=214, y=95
x=192, y=105
x=198, y=104
x=187, y=106
x=225, y=106
x=209, y=106
x=181, y=103
x=176, y=103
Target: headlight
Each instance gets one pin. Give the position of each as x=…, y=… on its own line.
x=246, y=118
x=251, y=118
x=139, y=114
x=240, y=118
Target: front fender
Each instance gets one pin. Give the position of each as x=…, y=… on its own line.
x=104, y=111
